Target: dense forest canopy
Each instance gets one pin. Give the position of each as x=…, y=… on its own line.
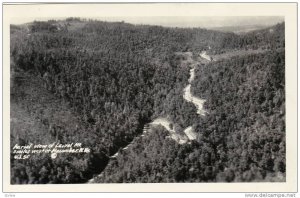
x=110, y=79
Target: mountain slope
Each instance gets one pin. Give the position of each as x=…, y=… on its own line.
x=110, y=79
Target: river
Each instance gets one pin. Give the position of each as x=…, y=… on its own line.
x=167, y=124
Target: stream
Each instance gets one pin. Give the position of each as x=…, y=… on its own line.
x=189, y=133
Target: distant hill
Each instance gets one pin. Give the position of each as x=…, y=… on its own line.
x=239, y=29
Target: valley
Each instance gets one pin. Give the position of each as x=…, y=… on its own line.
x=153, y=104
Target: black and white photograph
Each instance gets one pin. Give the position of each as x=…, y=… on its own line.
x=147, y=99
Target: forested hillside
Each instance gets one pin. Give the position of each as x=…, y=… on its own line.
x=100, y=83
x=242, y=138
